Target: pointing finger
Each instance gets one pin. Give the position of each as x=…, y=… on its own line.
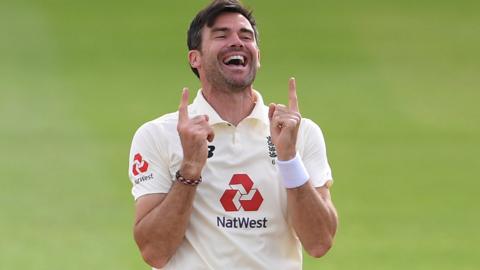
x=183, y=107
x=292, y=95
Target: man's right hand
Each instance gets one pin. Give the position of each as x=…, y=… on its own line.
x=194, y=134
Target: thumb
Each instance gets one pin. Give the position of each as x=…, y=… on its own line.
x=271, y=110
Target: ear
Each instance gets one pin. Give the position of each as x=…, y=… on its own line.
x=194, y=58
x=258, y=56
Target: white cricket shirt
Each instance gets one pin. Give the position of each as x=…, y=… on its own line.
x=239, y=218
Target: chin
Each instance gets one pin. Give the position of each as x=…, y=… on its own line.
x=238, y=85
x=240, y=82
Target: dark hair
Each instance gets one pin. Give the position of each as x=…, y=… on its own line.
x=208, y=15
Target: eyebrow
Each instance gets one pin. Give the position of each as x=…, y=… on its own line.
x=220, y=29
x=246, y=30
x=226, y=29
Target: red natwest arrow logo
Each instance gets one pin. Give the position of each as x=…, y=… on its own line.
x=139, y=165
x=241, y=195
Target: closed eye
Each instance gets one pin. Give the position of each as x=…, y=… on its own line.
x=246, y=34
x=220, y=33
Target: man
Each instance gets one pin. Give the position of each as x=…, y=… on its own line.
x=227, y=182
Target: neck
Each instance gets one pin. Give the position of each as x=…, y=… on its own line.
x=231, y=106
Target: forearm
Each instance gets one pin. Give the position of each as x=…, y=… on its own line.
x=161, y=222
x=313, y=217
x=160, y=232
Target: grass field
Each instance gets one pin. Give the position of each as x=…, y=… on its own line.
x=394, y=85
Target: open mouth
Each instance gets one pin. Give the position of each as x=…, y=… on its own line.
x=235, y=60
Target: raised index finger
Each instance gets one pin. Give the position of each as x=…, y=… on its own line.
x=292, y=95
x=183, y=107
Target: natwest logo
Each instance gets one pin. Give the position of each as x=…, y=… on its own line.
x=241, y=195
x=139, y=165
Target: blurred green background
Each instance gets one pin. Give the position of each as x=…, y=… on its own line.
x=393, y=84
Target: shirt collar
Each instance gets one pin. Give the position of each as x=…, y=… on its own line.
x=201, y=106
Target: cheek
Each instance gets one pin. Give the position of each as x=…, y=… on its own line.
x=210, y=56
x=255, y=53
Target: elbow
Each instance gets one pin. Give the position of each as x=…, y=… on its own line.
x=151, y=254
x=318, y=250
x=154, y=259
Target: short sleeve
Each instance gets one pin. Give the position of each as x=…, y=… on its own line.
x=315, y=154
x=148, y=162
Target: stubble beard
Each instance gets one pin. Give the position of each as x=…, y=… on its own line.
x=217, y=78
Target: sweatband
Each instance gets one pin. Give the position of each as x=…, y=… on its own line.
x=293, y=172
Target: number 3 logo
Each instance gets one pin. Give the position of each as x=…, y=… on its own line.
x=211, y=148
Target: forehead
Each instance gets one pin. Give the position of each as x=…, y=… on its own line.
x=233, y=21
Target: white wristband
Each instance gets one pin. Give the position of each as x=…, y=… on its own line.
x=293, y=172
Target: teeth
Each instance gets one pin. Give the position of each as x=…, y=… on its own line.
x=235, y=57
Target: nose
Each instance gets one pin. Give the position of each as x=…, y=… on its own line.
x=235, y=41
